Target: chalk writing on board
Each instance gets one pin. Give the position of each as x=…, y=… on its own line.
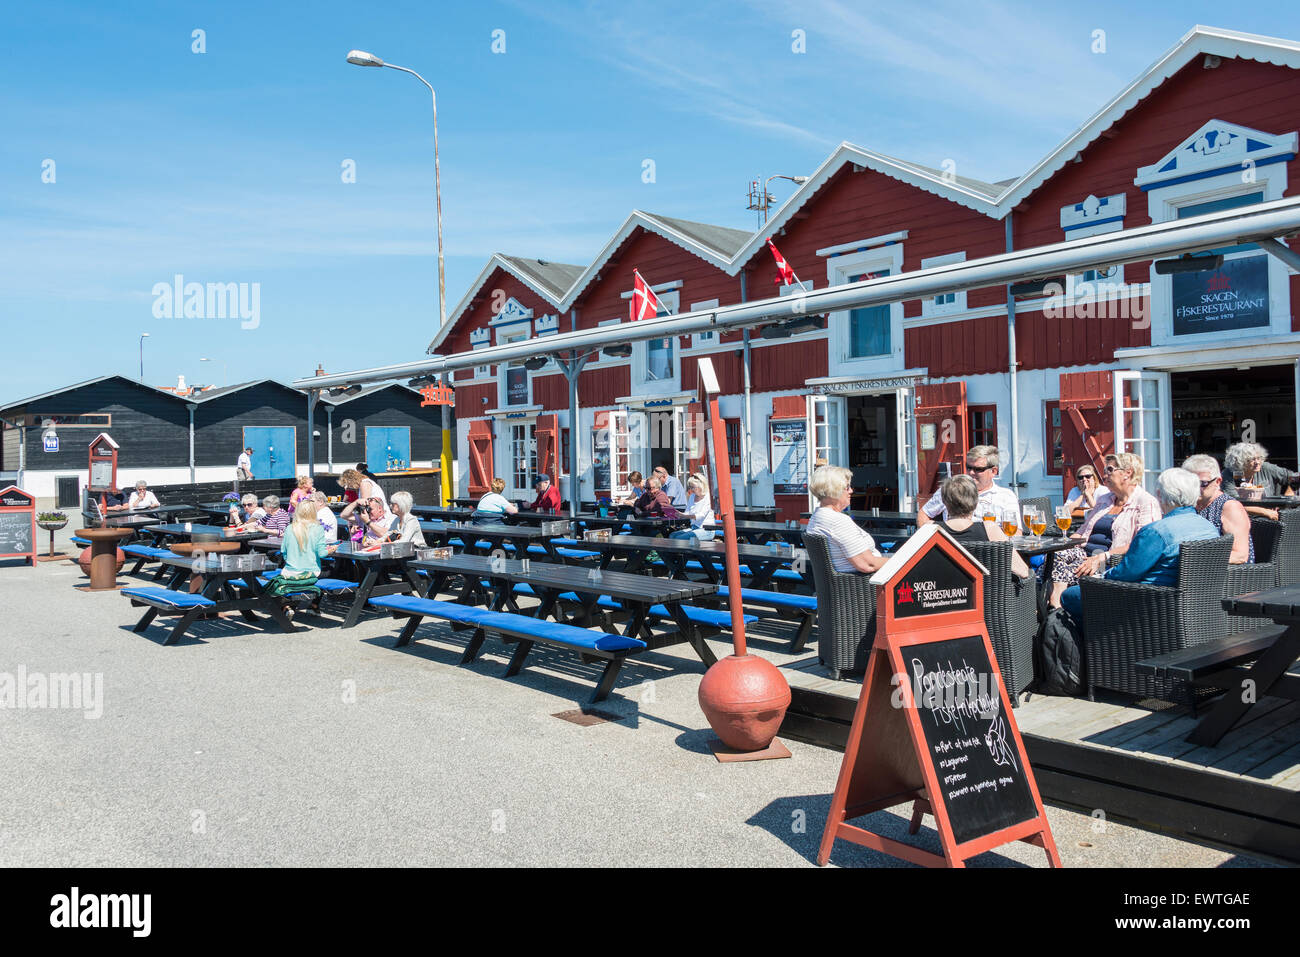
x=998, y=745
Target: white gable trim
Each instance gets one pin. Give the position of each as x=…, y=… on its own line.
x=496, y=261
x=1217, y=147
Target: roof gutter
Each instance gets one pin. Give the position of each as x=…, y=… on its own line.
x=1277, y=219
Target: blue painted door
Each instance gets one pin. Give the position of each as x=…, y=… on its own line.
x=275, y=453
x=388, y=449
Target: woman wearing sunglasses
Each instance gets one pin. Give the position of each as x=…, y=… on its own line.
x=1120, y=512
x=1220, y=509
x=1086, y=488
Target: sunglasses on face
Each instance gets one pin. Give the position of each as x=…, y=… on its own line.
x=1206, y=483
x=1086, y=476
x=1114, y=468
x=979, y=468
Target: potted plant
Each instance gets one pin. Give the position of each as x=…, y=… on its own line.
x=51, y=521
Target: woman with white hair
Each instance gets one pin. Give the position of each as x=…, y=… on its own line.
x=1220, y=509
x=406, y=527
x=325, y=516
x=1152, y=557
x=1250, y=460
x=852, y=549
x=700, y=510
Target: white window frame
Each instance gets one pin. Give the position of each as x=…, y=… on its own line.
x=529, y=438
x=1163, y=203
x=670, y=299
x=953, y=302
x=512, y=334
x=838, y=271
x=705, y=340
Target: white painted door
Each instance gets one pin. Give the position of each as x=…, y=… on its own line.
x=1142, y=421
x=827, y=437
x=904, y=405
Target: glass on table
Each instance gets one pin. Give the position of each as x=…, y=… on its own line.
x=1063, y=518
x=1010, y=523
x=1038, y=523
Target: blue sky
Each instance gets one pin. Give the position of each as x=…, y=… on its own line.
x=225, y=166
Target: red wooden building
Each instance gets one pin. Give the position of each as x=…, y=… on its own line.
x=1116, y=357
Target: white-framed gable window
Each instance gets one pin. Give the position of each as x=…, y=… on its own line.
x=704, y=340
x=871, y=338
x=481, y=339
x=1220, y=166
x=1094, y=216
x=944, y=303
x=655, y=365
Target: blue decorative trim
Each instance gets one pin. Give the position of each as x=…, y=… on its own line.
x=1205, y=174
x=1094, y=222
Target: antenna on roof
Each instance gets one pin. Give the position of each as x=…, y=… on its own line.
x=760, y=199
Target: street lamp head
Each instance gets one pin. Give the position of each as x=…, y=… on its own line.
x=144, y=335
x=362, y=58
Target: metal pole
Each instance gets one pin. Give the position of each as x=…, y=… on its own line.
x=1011, y=366
x=728, y=508
x=329, y=437
x=192, y=443
x=312, y=398
x=746, y=443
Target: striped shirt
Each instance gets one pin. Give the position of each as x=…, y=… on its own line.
x=845, y=538
x=276, y=523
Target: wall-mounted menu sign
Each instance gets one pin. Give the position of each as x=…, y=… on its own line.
x=1232, y=297
x=516, y=386
x=789, y=450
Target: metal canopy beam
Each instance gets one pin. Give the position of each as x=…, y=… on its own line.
x=1264, y=221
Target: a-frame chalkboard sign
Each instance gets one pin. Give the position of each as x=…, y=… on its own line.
x=17, y=524
x=933, y=725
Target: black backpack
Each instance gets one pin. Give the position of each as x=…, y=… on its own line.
x=1058, y=653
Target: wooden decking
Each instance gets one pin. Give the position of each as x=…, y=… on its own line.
x=1128, y=758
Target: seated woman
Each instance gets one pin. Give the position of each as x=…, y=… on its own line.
x=276, y=519
x=142, y=498
x=626, y=507
x=325, y=516
x=1086, y=489
x=1220, y=509
x=303, y=547
x=493, y=507
x=405, y=526
x=699, y=508
x=852, y=549
x=1250, y=459
x=960, y=496
x=1123, y=509
x=304, y=490
x=247, y=513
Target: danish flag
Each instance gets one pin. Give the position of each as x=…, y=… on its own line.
x=645, y=304
x=787, y=276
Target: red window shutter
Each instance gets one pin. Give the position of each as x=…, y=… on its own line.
x=943, y=406
x=1087, y=419
x=547, y=435
x=480, y=458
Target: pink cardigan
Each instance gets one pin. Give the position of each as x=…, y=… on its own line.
x=1142, y=508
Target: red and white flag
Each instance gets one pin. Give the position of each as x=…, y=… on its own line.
x=645, y=304
x=787, y=276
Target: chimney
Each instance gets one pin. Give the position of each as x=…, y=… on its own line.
x=320, y=369
x=181, y=388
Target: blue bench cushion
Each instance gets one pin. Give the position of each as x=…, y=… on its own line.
x=84, y=543
x=520, y=625
x=146, y=551
x=775, y=599
x=164, y=596
x=787, y=575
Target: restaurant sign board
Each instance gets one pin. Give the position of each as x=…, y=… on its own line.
x=1234, y=296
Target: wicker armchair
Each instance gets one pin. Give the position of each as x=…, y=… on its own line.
x=1042, y=503
x=846, y=612
x=1011, y=614
x=1124, y=623
x=1287, y=554
x=1255, y=576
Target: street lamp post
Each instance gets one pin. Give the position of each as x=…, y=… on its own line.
x=362, y=58
x=143, y=337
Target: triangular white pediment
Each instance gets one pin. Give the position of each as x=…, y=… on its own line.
x=1217, y=146
x=512, y=310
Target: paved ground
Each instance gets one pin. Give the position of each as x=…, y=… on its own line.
x=329, y=747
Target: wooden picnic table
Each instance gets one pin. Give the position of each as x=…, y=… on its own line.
x=635, y=593
x=161, y=534
x=1274, y=501
x=642, y=525
x=1275, y=652
x=883, y=519
x=520, y=536
x=763, y=561
x=754, y=513
x=378, y=574
x=440, y=512
x=216, y=587
x=134, y=520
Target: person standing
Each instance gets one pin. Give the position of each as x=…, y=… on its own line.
x=244, y=465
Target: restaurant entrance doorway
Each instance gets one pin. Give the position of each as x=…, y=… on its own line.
x=872, y=450
x=1213, y=408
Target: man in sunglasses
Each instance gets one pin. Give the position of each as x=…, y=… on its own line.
x=982, y=465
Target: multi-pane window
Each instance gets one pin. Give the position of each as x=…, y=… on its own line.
x=733, y=443
x=982, y=425
x=1054, y=444
x=869, y=326
x=523, y=456
x=659, y=358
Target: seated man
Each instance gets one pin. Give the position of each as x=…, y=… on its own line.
x=548, y=496
x=142, y=498
x=653, y=503
x=116, y=500
x=672, y=488
x=1152, y=557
